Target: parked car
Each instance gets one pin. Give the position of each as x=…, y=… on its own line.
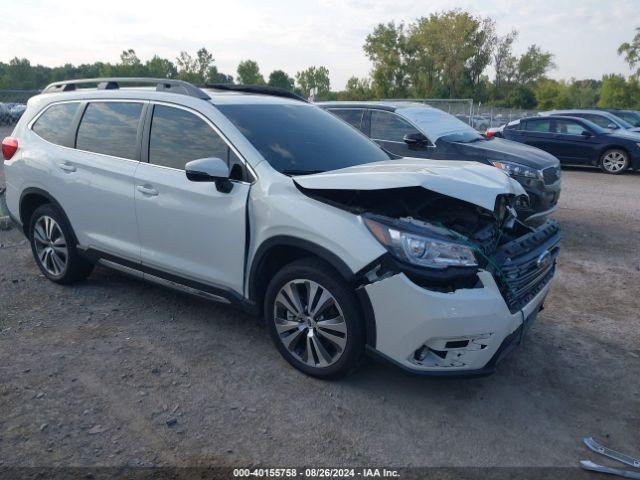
x=416, y=130
x=630, y=116
x=253, y=197
x=578, y=141
x=599, y=117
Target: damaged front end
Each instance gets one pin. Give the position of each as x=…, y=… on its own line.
x=462, y=277
x=441, y=242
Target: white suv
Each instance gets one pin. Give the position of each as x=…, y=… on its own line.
x=254, y=197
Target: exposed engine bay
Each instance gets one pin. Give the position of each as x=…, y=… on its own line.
x=423, y=208
x=521, y=258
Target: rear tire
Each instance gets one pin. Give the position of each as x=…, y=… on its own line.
x=54, y=247
x=314, y=319
x=614, y=161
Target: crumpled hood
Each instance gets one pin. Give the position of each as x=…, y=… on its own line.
x=468, y=181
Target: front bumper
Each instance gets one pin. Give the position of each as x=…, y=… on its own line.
x=466, y=332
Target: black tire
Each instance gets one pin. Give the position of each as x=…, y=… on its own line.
x=76, y=267
x=619, y=154
x=332, y=282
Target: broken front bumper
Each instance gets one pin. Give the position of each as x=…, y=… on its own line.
x=465, y=332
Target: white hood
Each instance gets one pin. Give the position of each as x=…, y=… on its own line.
x=468, y=181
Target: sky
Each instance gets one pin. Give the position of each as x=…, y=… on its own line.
x=292, y=35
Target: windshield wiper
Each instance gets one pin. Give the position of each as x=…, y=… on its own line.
x=301, y=172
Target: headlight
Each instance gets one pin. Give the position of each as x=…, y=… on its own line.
x=518, y=170
x=424, y=249
x=638, y=145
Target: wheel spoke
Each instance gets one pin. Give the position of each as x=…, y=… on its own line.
x=325, y=301
x=39, y=234
x=291, y=289
x=324, y=358
x=290, y=341
x=284, y=325
x=57, y=262
x=333, y=325
x=338, y=342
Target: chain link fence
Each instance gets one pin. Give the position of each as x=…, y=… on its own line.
x=13, y=104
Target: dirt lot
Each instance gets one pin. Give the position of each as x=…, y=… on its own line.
x=118, y=372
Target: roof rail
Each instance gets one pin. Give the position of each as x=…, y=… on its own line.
x=258, y=89
x=113, y=83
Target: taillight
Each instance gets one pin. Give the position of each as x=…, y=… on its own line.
x=9, y=147
x=489, y=134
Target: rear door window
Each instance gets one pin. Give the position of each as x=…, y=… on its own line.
x=110, y=128
x=389, y=126
x=178, y=136
x=353, y=116
x=569, y=127
x=535, y=125
x=55, y=123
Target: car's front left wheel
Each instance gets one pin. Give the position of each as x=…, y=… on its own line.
x=314, y=319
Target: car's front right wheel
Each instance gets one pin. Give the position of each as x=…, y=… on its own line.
x=314, y=319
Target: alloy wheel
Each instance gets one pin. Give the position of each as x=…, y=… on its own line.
x=310, y=323
x=51, y=246
x=614, y=161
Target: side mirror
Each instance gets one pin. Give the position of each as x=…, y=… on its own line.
x=612, y=126
x=586, y=133
x=209, y=170
x=415, y=139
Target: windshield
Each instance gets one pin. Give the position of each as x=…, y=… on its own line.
x=436, y=124
x=301, y=139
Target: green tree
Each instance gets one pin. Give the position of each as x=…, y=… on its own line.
x=386, y=48
x=503, y=59
x=357, y=89
x=631, y=52
x=551, y=94
x=521, y=97
x=314, y=78
x=280, y=79
x=187, y=68
x=533, y=65
x=161, y=68
x=617, y=92
x=249, y=73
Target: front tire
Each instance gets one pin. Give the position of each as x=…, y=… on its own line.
x=314, y=319
x=54, y=248
x=614, y=161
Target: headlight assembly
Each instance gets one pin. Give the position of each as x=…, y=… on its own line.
x=518, y=170
x=423, y=249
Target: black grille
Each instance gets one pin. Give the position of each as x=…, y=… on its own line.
x=527, y=264
x=551, y=175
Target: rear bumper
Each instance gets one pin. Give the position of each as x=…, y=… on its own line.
x=463, y=333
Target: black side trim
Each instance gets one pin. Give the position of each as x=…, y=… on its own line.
x=234, y=297
x=284, y=240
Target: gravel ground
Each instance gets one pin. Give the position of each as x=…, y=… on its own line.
x=117, y=372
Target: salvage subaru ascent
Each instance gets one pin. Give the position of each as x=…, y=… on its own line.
x=253, y=197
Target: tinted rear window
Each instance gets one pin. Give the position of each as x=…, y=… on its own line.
x=537, y=125
x=54, y=124
x=351, y=116
x=298, y=139
x=389, y=126
x=110, y=128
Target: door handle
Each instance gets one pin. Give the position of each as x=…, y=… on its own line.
x=152, y=192
x=67, y=167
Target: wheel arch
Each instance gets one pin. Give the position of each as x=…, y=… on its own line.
x=606, y=148
x=275, y=252
x=32, y=198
